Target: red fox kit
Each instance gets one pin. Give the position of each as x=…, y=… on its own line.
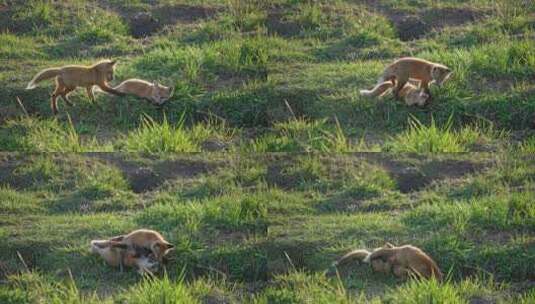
x=377, y=265
x=117, y=256
x=153, y=92
x=406, y=260
x=144, y=238
x=68, y=78
x=416, y=69
x=411, y=94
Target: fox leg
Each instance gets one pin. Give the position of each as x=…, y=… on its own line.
x=60, y=88
x=65, y=96
x=400, y=84
x=90, y=94
x=400, y=271
x=424, y=85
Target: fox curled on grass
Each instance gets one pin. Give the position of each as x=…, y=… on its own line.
x=144, y=249
x=403, y=261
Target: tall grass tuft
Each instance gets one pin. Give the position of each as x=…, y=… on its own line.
x=161, y=291
x=154, y=137
x=32, y=287
x=301, y=287
x=435, y=139
x=303, y=135
x=426, y=291
x=31, y=134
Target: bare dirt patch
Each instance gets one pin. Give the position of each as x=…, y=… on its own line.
x=412, y=26
x=276, y=174
x=145, y=23
x=147, y=177
x=277, y=24
x=416, y=176
x=8, y=163
x=181, y=13
x=439, y=18
x=481, y=300
x=286, y=255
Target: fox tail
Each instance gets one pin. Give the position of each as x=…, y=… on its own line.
x=43, y=75
x=379, y=90
x=359, y=254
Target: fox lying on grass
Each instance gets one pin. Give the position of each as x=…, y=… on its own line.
x=69, y=77
x=120, y=256
x=144, y=238
x=403, y=261
x=410, y=68
x=154, y=92
x=377, y=265
x=410, y=93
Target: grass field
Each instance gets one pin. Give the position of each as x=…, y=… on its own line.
x=278, y=75
x=253, y=77
x=266, y=228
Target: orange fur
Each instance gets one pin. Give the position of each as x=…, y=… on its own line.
x=68, y=78
x=416, y=69
x=410, y=93
x=118, y=256
x=407, y=260
x=361, y=255
x=154, y=92
x=145, y=238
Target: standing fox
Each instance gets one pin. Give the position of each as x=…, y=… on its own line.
x=411, y=94
x=402, y=261
x=153, y=92
x=144, y=238
x=69, y=77
x=417, y=69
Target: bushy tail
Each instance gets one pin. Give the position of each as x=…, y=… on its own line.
x=379, y=90
x=359, y=254
x=43, y=75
